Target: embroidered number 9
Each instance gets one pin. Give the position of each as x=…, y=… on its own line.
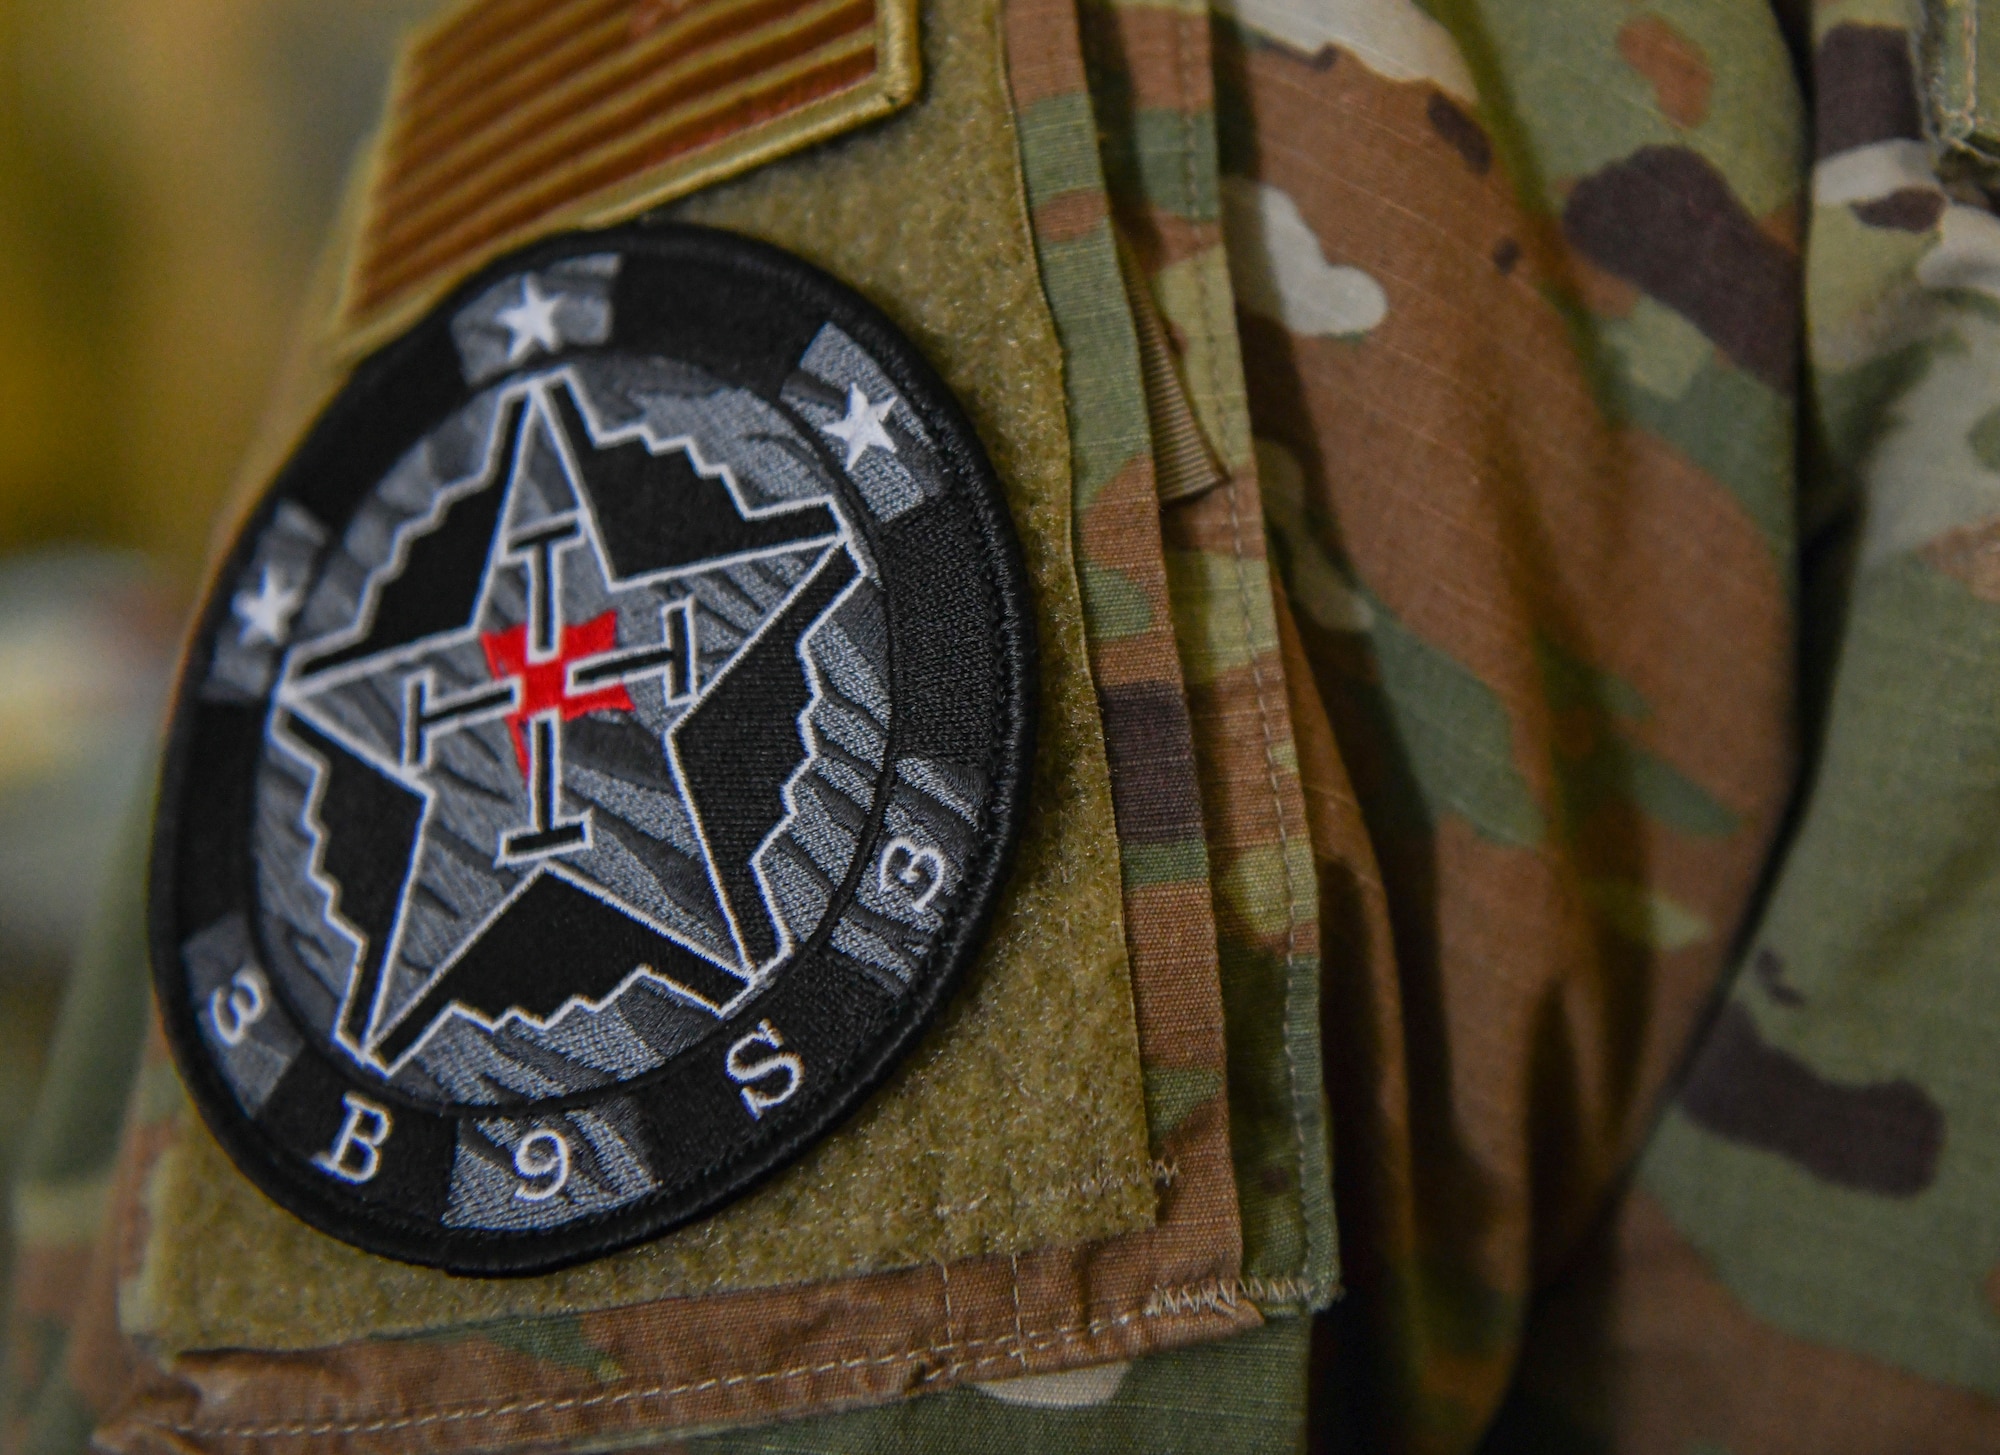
x=540, y=1155
x=916, y=867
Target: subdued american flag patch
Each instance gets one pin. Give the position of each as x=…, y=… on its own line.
x=511, y=118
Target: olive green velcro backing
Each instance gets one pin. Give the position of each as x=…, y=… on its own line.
x=1020, y=1121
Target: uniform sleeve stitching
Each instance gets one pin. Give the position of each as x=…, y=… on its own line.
x=1011, y=1346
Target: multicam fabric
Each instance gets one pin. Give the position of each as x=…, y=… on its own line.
x=1519, y=344
x=1811, y=1257
x=1150, y=71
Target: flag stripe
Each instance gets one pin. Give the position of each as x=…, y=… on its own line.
x=509, y=112
x=530, y=117
x=570, y=149
x=819, y=74
x=456, y=99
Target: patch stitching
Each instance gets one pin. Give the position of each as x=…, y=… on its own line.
x=962, y=487
x=1293, y=923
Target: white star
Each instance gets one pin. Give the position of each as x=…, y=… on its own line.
x=266, y=614
x=863, y=425
x=530, y=322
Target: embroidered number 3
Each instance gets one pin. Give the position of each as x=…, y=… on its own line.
x=239, y=1005
x=747, y=1068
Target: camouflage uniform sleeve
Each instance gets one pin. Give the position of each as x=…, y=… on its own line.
x=1517, y=288
x=1811, y=1256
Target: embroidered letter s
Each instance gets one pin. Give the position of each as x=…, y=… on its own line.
x=745, y=1068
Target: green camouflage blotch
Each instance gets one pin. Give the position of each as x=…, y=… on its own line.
x=1172, y=1094
x=1221, y=610
x=1456, y=735
x=1149, y=864
x=1572, y=682
x=1262, y=887
x=558, y=1341
x=1645, y=916
x=1263, y=1138
x=1057, y=150
x=1087, y=298
x=1662, y=351
x=1118, y=607
x=1984, y=439
x=1857, y=406
x=1151, y=162
x=1612, y=767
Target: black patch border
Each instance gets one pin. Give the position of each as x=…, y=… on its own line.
x=390, y=401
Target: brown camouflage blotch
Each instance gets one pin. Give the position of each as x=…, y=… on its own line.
x=1071, y=216
x=1120, y=531
x=1653, y=1355
x=1865, y=88
x=1235, y=770
x=1160, y=54
x=1460, y=132
x=1181, y=944
x=1883, y=1137
x=1202, y=1191
x=1908, y=209
x=1126, y=659
x=1043, y=61
x=1674, y=66
x=1667, y=220
x=1970, y=555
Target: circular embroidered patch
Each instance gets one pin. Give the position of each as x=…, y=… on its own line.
x=599, y=757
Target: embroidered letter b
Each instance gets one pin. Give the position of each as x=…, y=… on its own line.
x=356, y=1154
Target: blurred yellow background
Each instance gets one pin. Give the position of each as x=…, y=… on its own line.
x=167, y=170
